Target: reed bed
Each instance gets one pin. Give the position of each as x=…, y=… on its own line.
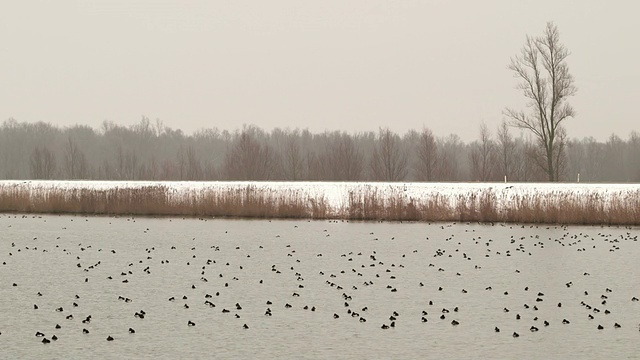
x=363, y=202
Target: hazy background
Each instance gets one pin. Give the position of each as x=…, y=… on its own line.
x=331, y=64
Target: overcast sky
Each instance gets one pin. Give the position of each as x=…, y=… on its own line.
x=352, y=65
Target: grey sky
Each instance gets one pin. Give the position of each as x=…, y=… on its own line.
x=332, y=64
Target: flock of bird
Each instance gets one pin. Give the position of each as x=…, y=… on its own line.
x=356, y=282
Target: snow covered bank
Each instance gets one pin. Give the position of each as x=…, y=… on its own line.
x=521, y=202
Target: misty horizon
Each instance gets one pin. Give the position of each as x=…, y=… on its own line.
x=331, y=66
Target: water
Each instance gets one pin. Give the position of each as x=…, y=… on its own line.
x=42, y=255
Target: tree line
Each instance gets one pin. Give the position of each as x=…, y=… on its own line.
x=152, y=151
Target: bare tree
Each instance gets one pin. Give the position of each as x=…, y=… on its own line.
x=427, y=154
x=194, y=170
x=483, y=156
x=42, y=163
x=345, y=160
x=559, y=154
x=546, y=82
x=293, y=161
x=248, y=159
x=181, y=160
x=506, y=152
x=448, y=161
x=76, y=165
x=388, y=161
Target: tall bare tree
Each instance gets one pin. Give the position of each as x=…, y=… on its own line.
x=545, y=81
x=388, y=161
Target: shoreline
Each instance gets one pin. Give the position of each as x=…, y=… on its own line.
x=539, y=203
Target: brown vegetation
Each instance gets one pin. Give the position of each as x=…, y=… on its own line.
x=363, y=203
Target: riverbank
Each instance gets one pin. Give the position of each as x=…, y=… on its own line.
x=594, y=204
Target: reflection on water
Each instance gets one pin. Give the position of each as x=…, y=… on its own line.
x=221, y=275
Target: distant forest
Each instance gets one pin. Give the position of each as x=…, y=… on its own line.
x=150, y=150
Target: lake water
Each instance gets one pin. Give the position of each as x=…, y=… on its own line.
x=537, y=273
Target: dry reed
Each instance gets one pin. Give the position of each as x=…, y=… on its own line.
x=363, y=203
